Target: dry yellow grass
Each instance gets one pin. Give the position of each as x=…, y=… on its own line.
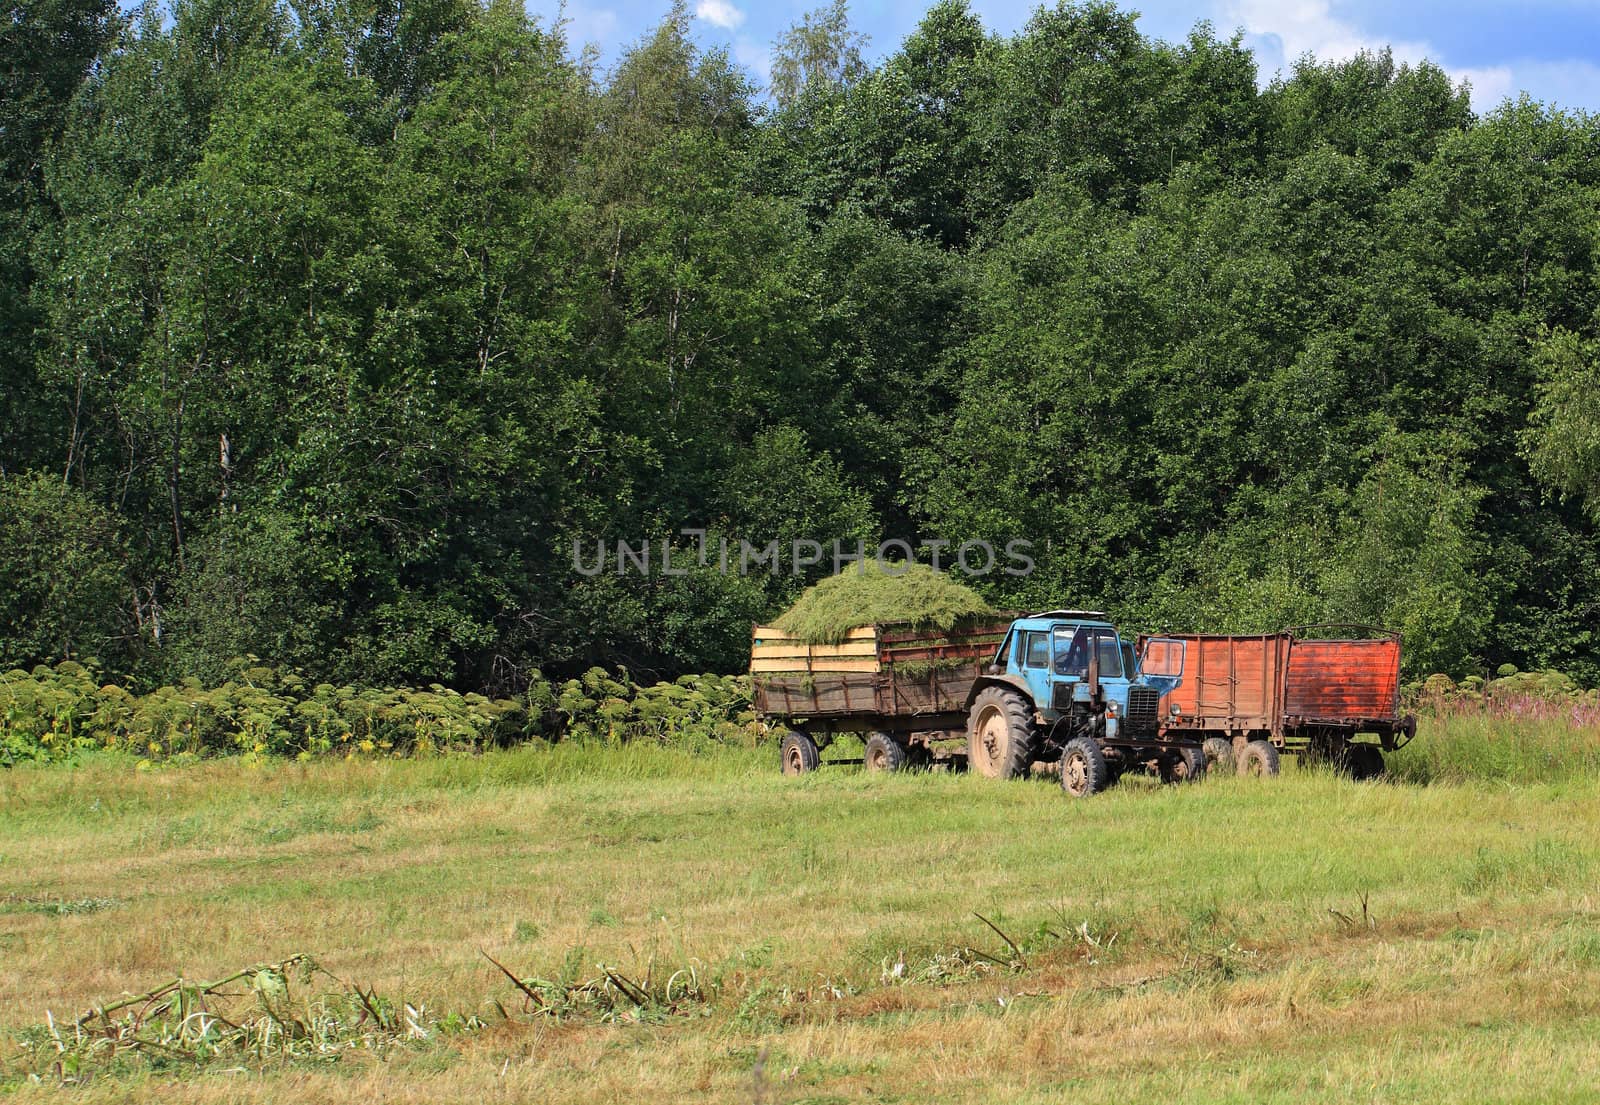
x=1208, y=966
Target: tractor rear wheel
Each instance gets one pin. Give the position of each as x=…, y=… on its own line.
x=999, y=734
x=884, y=753
x=798, y=753
x=1260, y=758
x=1083, y=768
x=1219, y=755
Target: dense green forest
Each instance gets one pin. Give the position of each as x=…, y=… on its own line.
x=328, y=328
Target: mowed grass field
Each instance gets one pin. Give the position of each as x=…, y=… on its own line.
x=1185, y=944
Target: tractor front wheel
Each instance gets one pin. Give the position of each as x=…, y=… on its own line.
x=1083, y=768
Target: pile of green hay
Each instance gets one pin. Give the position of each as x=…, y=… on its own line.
x=872, y=593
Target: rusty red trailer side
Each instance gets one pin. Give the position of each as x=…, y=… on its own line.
x=1352, y=684
x=1290, y=688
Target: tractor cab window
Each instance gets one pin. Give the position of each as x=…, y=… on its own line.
x=1036, y=650
x=1072, y=652
x=1110, y=654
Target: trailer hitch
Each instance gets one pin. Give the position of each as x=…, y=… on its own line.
x=1404, y=732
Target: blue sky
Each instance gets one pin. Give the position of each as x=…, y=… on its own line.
x=1548, y=48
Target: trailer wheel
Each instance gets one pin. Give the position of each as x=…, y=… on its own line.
x=1364, y=761
x=1188, y=766
x=799, y=753
x=1083, y=768
x=999, y=734
x=1260, y=758
x=919, y=757
x=1219, y=755
x=884, y=753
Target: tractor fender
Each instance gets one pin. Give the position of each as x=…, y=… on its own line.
x=1007, y=680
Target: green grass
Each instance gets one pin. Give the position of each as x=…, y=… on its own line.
x=1239, y=940
x=1489, y=749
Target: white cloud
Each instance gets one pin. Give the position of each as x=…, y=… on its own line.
x=1280, y=31
x=1571, y=84
x=719, y=13
x=1490, y=85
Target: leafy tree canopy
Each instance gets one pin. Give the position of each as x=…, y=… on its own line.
x=348, y=334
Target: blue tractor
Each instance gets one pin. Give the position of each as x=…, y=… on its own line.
x=1064, y=688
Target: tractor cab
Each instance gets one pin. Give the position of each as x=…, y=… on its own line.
x=1075, y=668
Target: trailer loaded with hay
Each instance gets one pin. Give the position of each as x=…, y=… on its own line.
x=904, y=690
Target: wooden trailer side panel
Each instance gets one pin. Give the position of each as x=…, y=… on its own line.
x=891, y=670
x=931, y=673
x=941, y=691
x=791, y=677
x=830, y=694
x=772, y=650
x=1338, y=681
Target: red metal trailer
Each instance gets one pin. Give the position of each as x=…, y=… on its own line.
x=1256, y=695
